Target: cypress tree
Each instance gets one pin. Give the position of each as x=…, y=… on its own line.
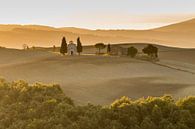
x=63, y=48
x=54, y=48
x=108, y=49
x=79, y=46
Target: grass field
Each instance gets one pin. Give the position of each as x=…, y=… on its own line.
x=102, y=79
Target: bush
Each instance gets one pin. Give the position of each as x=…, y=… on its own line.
x=39, y=106
x=132, y=51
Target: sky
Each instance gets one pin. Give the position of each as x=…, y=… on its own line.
x=97, y=14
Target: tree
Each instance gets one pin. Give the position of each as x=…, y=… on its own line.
x=54, y=48
x=151, y=50
x=33, y=47
x=132, y=51
x=25, y=46
x=108, y=49
x=79, y=46
x=100, y=46
x=40, y=106
x=63, y=48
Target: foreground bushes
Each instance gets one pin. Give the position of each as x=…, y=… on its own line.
x=46, y=107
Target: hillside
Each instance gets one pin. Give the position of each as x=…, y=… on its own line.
x=90, y=78
x=185, y=27
x=180, y=35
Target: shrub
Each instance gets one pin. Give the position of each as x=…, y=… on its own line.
x=132, y=51
x=40, y=106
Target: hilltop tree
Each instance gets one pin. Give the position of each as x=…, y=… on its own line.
x=63, y=48
x=108, y=49
x=54, y=48
x=132, y=51
x=25, y=46
x=151, y=50
x=79, y=46
x=100, y=46
x=33, y=48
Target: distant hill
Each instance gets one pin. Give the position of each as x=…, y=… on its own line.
x=179, y=35
x=185, y=27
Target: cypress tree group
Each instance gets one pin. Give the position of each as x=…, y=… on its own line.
x=108, y=49
x=63, y=48
x=79, y=46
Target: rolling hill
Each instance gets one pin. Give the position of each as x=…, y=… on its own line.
x=179, y=35
x=102, y=79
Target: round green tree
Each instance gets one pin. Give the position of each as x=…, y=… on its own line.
x=151, y=51
x=100, y=46
x=132, y=51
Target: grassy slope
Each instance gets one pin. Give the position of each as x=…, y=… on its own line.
x=101, y=79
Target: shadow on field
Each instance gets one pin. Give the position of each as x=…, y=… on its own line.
x=106, y=92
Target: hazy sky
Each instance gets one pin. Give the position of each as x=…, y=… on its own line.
x=97, y=14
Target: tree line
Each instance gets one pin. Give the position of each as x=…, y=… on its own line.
x=150, y=50
x=40, y=106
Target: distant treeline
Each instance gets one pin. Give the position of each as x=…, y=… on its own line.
x=39, y=106
x=150, y=49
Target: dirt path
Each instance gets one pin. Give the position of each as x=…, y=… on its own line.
x=172, y=67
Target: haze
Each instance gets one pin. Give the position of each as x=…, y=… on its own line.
x=97, y=14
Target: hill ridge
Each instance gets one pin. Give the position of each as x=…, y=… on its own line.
x=178, y=35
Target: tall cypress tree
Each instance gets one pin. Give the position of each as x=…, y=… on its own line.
x=108, y=49
x=63, y=48
x=79, y=46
